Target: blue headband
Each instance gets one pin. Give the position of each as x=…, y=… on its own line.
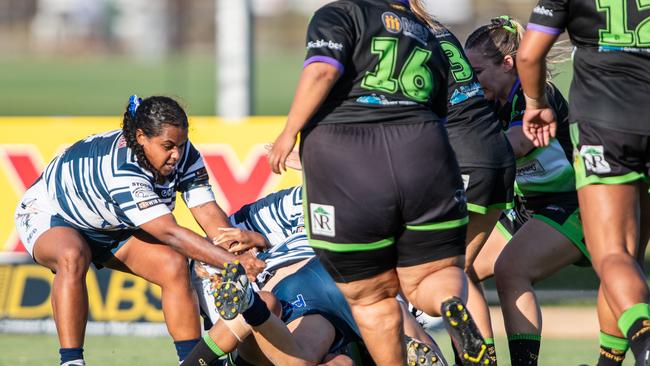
x=134, y=103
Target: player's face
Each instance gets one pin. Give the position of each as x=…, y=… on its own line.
x=164, y=151
x=495, y=78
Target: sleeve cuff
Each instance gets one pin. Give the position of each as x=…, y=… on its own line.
x=329, y=60
x=198, y=196
x=544, y=29
x=516, y=123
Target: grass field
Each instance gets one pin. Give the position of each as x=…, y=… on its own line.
x=101, y=85
x=30, y=350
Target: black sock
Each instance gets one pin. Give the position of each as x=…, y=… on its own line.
x=491, y=351
x=610, y=357
x=524, y=349
x=205, y=352
x=258, y=313
x=639, y=336
x=612, y=350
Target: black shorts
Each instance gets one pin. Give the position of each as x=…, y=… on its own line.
x=558, y=210
x=488, y=188
x=381, y=195
x=605, y=156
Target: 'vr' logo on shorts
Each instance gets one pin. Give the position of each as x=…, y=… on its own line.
x=300, y=302
x=594, y=158
x=322, y=219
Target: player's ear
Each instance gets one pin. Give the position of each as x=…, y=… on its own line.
x=140, y=137
x=508, y=63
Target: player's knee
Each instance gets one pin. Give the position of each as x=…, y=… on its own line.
x=73, y=261
x=175, y=268
x=507, y=273
x=272, y=302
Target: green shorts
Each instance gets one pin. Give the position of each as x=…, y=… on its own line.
x=559, y=210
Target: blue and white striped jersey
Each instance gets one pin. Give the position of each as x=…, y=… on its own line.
x=97, y=184
x=279, y=217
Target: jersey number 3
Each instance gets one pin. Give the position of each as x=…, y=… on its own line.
x=617, y=33
x=415, y=79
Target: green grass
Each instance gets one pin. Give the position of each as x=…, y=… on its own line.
x=99, y=350
x=30, y=350
x=102, y=85
x=554, y=352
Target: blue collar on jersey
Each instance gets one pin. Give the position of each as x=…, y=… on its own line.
x=513, y=91
x=405, y=2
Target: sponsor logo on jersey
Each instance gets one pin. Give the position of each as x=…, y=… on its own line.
x=594, y=158
x=321, y=43
x=392, y=22
x=465, y=92
x=143, y=205
x=167, y=192
x=375, y=99
x=142, y=190
x=415, y=30
x=322, y=219
x=540, y=10
x=121, y=142
x=531, y=168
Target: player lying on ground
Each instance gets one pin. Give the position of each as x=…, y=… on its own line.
x=108, y=200
x=311, y=304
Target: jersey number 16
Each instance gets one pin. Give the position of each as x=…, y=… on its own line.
x=415, y=79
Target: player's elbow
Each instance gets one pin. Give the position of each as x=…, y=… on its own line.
x=525, y=58
x=322, y=72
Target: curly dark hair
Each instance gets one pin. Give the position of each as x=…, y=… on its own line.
x=149, y=117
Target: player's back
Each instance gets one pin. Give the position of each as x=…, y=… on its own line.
x=391, y=65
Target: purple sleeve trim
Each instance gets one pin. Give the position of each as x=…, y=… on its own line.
x=544, y=29
x=328, y=60
x=516, y=123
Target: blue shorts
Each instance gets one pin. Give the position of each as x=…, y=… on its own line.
x=311, y=290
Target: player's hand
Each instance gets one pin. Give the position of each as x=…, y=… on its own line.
x=539, y=125
x=251, y=264
x=293, y=160
x=281, y=149
x=237, y=240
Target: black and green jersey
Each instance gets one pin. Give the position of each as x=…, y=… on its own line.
x=392, y=67
x=474, y=130
x=611, y=81
x=545, y=169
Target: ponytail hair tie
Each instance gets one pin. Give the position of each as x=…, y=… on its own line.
x=134, y=103
x=504, y=22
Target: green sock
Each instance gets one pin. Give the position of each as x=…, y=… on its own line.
x=631, y=315
x=612, y=350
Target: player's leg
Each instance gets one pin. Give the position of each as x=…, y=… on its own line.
x=608, y=169
x=535, y=252
x=65, y=251
x=226, y=336
x=56, y=245
x=479, y=230
x=160, y=264
x=421, y=349
x=371, y=299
